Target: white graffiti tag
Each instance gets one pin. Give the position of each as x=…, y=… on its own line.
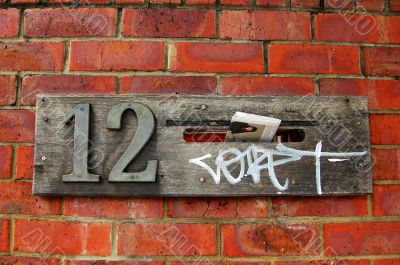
x=255, y=155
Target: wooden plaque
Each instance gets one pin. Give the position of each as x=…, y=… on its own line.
x=332, y=159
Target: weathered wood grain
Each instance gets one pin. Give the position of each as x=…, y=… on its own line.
x=341, y=123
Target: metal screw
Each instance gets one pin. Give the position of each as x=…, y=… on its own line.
x=46, y=119
x=293, y=181
x=43, y=100
x=44, y=158
x=82, y=108
x=202, y=179
x=288, y=109
x=203, y=107
x=358, y=122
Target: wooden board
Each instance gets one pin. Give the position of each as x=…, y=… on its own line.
x=340, y=123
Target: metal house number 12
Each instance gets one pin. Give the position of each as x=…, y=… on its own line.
x=145, y=129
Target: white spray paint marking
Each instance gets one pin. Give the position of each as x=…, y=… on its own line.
x=255, y=155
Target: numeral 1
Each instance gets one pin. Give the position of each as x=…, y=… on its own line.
x=80, y=173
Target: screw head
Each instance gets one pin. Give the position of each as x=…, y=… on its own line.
x=358, y=122
x=288, y=109
x=202, y=179
x=203, y=107
x=44, y=158
x=45, y=118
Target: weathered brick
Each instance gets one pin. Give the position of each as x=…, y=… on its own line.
x=251, y=85
x=382, y=61
x=168, y=22
x=60, y=1
x=382, y=94
x=269, y=240
x=7, y=90
x=82, y=84
x=17, y=125
x=168, y=84
x=218, y=208
x=9, y=22
x=166, y=2
x=385, y=200
x=310, y=58
x=270, y=2
x=361, y=238
x=34, y=56
x=357, y=28
x=305, y=3
x=220, y=263
x=371, y=5
x=264, y=25
x=67, y=22
x=4, y=235
x=5, y=162
x=129, y=2
x=24, y=168
x=90, y=2
x=200, y=2
x=166, y=239
x=387, y=164
x=23, y=2
x=116, y=55
x=387, y=262
x=107, y=262
x=216, y=57
x=394, y=5
x=339, y=4
x=235, y=2
x=14, y=260
x=16, y=198
x=70, y=238
x=325, y=262
x=310, y=206
x=385, y=129
x=113, y=207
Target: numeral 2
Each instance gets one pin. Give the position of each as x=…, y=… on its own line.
x=145, y=129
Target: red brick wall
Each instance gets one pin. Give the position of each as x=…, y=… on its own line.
x=227, y=47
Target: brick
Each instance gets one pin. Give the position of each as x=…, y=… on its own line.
x=270, y=2
x=338, y=4
x=9, y=22
x=198, y=85
x=166, y=239
x=370, y=5
x=387, y=164
x=235, y=2
x=5, y=162
x=69, y=238
x=116, y=55
x=200, y=2
x=60, y=1
x=324, y=262
x=385, y=129
x=4, y=235
x=67, y=22
x=382, y=94
x=216, y=57
x=272, y=86
x=305, y=3
x=113, y=207
x=385, y=200
x=9, y=260
x=361, y=238
x=394, y=5
x=264, y=25
x=8, y=86
x=269, y=240
x=89, y=2
x=129, y=2
x=382, y=61
x=17, y=126
x=107, y=262
x=166, y=2
x=217, y=208
x=24, y=1
x=168, y=22
x=24, y=168
x=34, y=56
x=387, y=262
x=357, y=28
x=310, y=206
x=16, y=198
x=311, y=58
x=65, y=84
x=220, y=263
